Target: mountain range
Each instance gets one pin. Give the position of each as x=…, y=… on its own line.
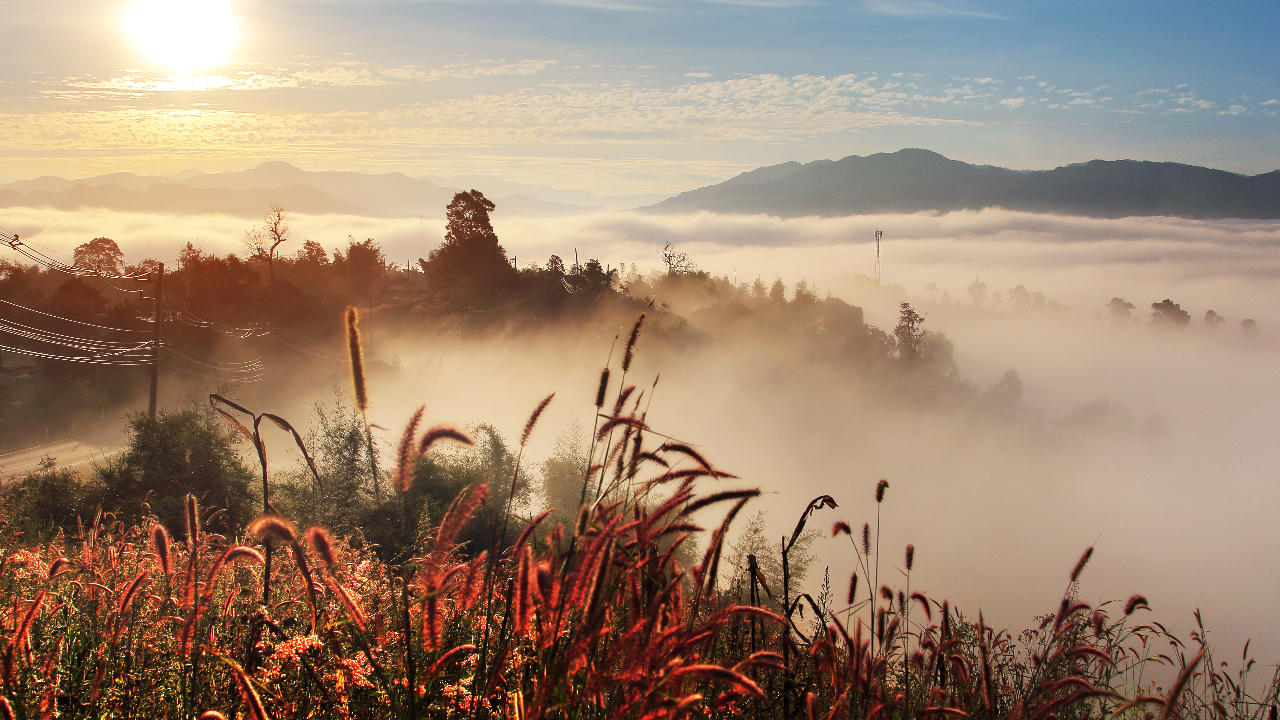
x=915, y=180
x=906, y=181
x=250, y=193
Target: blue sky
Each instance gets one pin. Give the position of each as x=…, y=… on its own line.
x=623, y=96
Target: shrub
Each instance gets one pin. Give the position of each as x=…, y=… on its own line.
x=171, y=455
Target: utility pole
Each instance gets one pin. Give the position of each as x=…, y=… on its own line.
x=155, y=342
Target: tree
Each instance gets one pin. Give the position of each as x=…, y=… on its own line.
x=1213, y=320
x=263, y=239
x=1169, y=314
x=101, y=254
x=1119, y=309
x=78, y=300
x=678, y=263
x=173, y=454
x=778, y=293
x=470, y=264
x=555, y=266
x=909, y=333
x=978, y=291
x=311, y=253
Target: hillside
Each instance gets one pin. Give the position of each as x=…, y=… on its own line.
x=915, y=180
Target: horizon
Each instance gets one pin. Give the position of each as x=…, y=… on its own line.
x=630, y=97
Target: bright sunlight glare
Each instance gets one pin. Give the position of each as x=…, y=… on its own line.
x=182, y=35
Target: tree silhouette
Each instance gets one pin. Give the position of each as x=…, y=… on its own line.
x=1169, y=313
x=101, y=254
x=263, y=239
x=470, y=263
x=909, y=334
x=1119, y=308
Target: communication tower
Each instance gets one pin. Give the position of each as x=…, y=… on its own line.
x=879, y=233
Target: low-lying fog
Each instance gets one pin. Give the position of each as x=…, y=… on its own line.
x=1172, y=471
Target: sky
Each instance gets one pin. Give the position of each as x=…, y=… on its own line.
x=630, y=96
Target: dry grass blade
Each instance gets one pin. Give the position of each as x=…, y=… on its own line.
x=454, y=653
x=215, y=398
x=297, y=439
x=407, y=451
x=1175, y=690
x=355, y=355
x=712, y=499
x=254, y=709
x=723, y=674
x=533, y=419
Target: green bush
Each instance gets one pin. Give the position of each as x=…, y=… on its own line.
x=173, y=454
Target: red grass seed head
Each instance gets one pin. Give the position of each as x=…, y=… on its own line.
x=405, y=454
x=533, y=419
x=880, y=488
x=911, y=556
x=323, y=545
x=604, y=386
x=1084, y=560
x=160, y=543
x=355, y=354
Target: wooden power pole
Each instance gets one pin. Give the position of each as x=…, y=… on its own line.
x=155, y=342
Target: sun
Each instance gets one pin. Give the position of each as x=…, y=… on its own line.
x=182, y=35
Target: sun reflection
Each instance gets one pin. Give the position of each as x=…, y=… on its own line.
x=182, y=35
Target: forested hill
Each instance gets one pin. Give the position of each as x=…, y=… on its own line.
x=915, y=180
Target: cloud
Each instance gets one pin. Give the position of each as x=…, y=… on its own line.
x=924, y=8
x=343, y=75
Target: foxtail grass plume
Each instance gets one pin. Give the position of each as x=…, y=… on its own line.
x=866, y=538
x=323, y=545
x=355, y=353
x=853, y=587
x=841, y=527
x=911, y=556
x=1135, y=602
x=1084, y=560
x=193, y=522
x=533, y=419
x=6, y=710
x=604, y=385
x=629, y=354
x=439, y=433
x=406, y=453
x=212, y=715
x=880, y=488
x=160, y=543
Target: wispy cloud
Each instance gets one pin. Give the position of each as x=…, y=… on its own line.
x=925, y=8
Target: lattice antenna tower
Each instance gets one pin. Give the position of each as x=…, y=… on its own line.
x=879, y=234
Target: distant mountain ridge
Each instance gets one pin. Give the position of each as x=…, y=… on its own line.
x=915, y=180
x=250, y=193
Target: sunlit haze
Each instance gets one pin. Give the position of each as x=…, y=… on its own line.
x=182, y=35
x=1018, y=260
